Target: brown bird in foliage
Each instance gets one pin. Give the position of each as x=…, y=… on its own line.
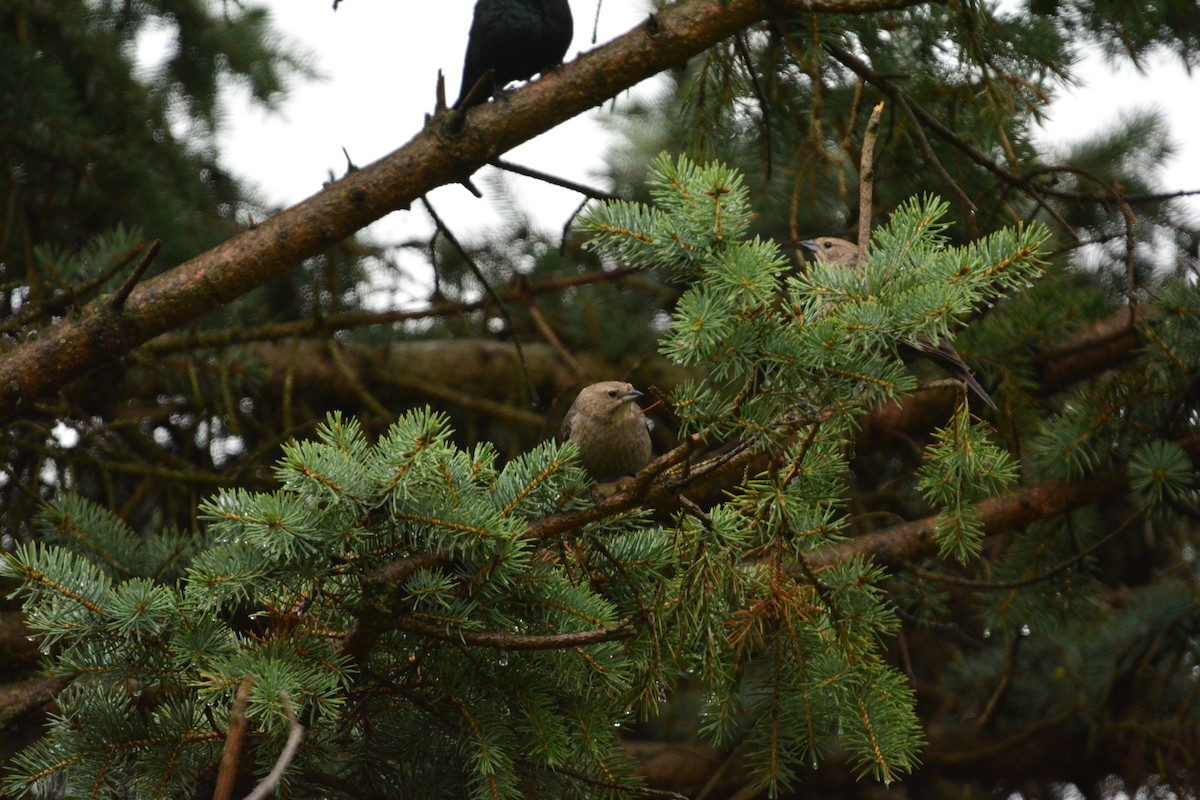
x=609, y=430
x=841, y=253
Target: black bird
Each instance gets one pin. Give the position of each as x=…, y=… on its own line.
x=514, y=39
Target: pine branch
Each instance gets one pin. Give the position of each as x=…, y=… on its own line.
x=408, y=373
x=21, y=697
x=915, y=540
x=514, y=641
x=434, y=157
x=350, y=320
x=886, y=86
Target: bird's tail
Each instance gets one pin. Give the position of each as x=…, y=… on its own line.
x=944, y=353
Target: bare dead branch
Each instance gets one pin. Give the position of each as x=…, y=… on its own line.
x=866, y=181
x=295, y=736
x=513, y=641
x=553, y=180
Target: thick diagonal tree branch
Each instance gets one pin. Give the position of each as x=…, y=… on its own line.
x=436, y=156
x=1013, y=511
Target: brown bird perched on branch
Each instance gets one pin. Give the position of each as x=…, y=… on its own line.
x=609, y=430
x=514, y=39
x=841, y=253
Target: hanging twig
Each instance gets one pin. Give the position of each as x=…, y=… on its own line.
x=596, y=21
x=531, y=390
x=744, y=53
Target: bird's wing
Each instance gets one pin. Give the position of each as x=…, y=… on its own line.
x=944, y=352
x=564, y=433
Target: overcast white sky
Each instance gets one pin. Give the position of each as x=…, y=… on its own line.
x=380, y=61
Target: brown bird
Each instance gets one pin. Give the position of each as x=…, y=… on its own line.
x=609, y=430
x=841, y=253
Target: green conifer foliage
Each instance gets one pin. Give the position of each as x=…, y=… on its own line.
x=401, y=600
x=99, y=157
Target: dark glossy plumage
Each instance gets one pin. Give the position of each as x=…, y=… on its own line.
x=516, y=39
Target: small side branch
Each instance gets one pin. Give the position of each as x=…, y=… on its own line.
x=866, y=181
x=514, y=641
x=553, y=180
x=118, y=300
x=295, y=736
x=530, y=389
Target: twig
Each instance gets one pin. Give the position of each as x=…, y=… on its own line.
x=233, y=742
x=355, y=384
x=1026, y=579
x=387, y=584
x=118, y=300
x=514, y=641
x=647, y=615
x=931, y=156
x=550, y=336
x=566, y=228
x=350, y=165
x=764, y=107
x=866, y=181
x=71, y=295
x=295, y=736
x=884, y=85
x=465, y=400
x=620, y=788
x=531, y=390
x=483, y=86
x=553, y=180
x=596, y=21
x=1016, y=509
x=357, y=319
x=1010, y=664
x=1130, y=244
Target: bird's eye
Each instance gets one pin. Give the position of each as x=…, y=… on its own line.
x=827, y=245
x=612, y=392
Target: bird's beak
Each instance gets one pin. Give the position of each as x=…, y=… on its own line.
x=809, y=244
x=630, y=396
